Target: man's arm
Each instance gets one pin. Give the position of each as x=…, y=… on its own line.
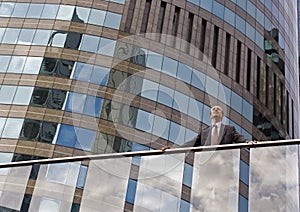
x=236, y=137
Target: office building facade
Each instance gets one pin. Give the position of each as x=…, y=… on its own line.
x=94, y=77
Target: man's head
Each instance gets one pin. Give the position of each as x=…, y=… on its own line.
x=216, y=114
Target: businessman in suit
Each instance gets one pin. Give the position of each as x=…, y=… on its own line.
x=217, y=133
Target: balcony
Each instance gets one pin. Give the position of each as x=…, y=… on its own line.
x=182, y=179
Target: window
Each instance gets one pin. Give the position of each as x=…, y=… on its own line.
x=12, y=128
x=65, y=12
x=97, y=17
x=49, y=11
x=20, y=10
x=89, y=43
x=34, y=11
x=11, y=36
x=23, y=95
x=169, y=66
x=112, y=20
x=26, y=36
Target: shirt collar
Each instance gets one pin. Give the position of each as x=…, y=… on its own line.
x=218, y=124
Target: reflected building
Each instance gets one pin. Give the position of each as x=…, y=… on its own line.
x=115, y=76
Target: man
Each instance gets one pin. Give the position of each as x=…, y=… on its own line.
x=217, y=133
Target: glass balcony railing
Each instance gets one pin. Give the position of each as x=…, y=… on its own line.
x=156, y=180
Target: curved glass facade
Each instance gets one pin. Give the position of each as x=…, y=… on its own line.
x=126, y=75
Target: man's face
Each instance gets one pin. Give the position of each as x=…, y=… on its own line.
x=216, y=112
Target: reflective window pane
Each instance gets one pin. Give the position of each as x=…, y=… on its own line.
x=49, y=11
x=41, y=37
x=149, y=89
x=35, y=11
x=85, y=139
x=20, y=10
x=4, y=61
x=75, y=102
x=90, y=43
x=107, y=47
x=65, y=12
x=11, y=36
x=92, y=106
x=58, y=38
x=26, y=36
x=169, y=66
x=16, y=64
x=144, y=121
x=165, y=95
x=83, y=71
x=184, y=73
x=81, y=15
x=23, y=95
x=6, y=9
x=112, y=20
x=66, y=136
x=12, y=128
x=81, y=177
x=154, y=61
x=100, y=75
x=32, y=65
x=7, y=94
x=161, y=127
x=97, y=17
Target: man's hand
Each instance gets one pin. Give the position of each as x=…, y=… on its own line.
x=252, y=142
x=164, y=148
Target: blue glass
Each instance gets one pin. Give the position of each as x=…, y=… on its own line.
x=260, y=17
x=224, y=94
x=97, y=17
x=66, y=136
x=131, y=191
x=35, y=11
x=85, y=139
x=240, y=24
x=244, y=172
x=11, y=36
x=207, y=5
x=49, y=11
x=75, y=102
x=161, y=127
x=236, y=102
x=177, y=133
x=184, y=206
x=83, y=71
x=4, y=61
x=206, y=115
x=247, y=135
x=89, y=43
x=187, y=175
x=26, y=36
x=237, y=127
x=100, y=75
x=139, y=147
x=268, y=5
x=198, y=80
x=259, y=40
x=189, y=135
x=165, y=95
x=144, y=121
x=149, y=90
x=81, y=177
x=184, y=73
x=251, y=9
x=41, y=37
x=20, y=10
x=112, y=20
x=212, y=87
x=92, y=106
x=243, y=204
x=169, y=66
x=250, y=32
x=195, y=109
x=242, y=4
x=196, y=2
x=180, y=102
x=6, y=9
x=268, y=24
x=247, y=110
x=229, y=16
x=107, y=47
x=154, y=61
x=218, y=9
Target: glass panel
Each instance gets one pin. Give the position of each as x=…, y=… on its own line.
x=169, y=66
x=81, y=14
x=215, y=181
x=65, y=12
x=111, y=175
x=165, y=95
x=97, y=17
x=154, y=61
x=112, y=20
x=49, y=11
x=107, y=47
x=92, y=106
x=67, y=135
x=35, y=11
x=32, y=65
x=184, y=73
x=159, y=183
x=13, y=182
x=55, y=187
x=41, y=37
x=12, y=128
x=16, y=64
x=11, y=36
x=149, y=89
x=206, y=4
x=6, y=9
x=75, y=102
x=7, y=94
x=4, y=61
x=23, y=95
x=274, y=182
x=100, y=75
x=58, y=38
x=85, y=139
x=26, y=36
x=90, y=43
x=20, y=10
x=161, y=127
x=212, y=87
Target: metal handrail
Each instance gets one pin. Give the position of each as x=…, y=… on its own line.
x=149, y=153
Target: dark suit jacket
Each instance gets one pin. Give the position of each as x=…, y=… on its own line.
x=227, y=135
